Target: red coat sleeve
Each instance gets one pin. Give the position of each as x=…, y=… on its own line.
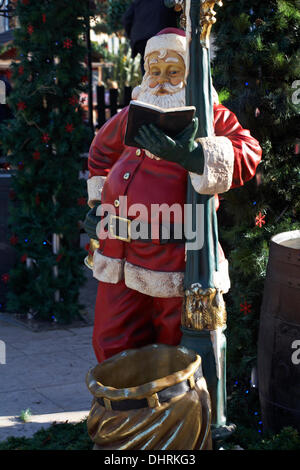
x=107, y=145
x=247, y=151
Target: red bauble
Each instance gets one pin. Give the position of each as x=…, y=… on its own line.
x=59, y=257
x=69, y=128
x=73, y=100
x=30, y=29
x=36, y=155
x=68, y=43
x=23, y=258
x=5, y=278
x=21, y=106
x=12, y=195
x=45, y=137
x=21, y=70
x=44, y=18
x=13, y=240
x=81, y=201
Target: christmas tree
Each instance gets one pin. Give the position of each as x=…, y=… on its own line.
x=43, y=144
x=256, y=68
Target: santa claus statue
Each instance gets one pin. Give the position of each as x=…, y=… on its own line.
x=140, y=291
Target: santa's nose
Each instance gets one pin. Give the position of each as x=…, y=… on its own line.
x=163, y=79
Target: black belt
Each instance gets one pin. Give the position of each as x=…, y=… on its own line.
x=160, y=397
x=120, y=228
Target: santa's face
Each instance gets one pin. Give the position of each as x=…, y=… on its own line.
x=166, y=73
x=164, y=81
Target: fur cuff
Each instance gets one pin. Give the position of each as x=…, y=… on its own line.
x=154, y=283
x=218, y=166
x=108, y=269
x=94, y=187
x=221, y=277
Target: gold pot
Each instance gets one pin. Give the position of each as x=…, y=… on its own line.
x=152, y=398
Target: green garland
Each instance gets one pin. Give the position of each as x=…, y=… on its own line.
x=43, y=143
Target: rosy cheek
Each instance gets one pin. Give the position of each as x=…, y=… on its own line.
x=176, y=80
x=152, y=83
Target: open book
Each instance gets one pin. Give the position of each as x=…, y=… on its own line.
x=171, y=121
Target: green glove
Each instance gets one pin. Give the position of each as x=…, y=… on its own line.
x=91, y=221
x=182, y=149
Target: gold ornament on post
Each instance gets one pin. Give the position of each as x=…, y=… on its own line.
x=204, y=309
x=88, y=261
x=207, y=19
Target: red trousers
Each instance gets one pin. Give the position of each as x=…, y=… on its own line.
x=126, y=319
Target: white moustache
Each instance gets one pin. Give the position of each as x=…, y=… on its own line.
x=168, y=87
x=169, y=100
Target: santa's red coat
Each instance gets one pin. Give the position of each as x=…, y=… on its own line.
x=151, y=268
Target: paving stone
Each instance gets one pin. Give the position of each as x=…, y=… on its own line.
x=70, y=397
x=13, y=403
x=11, y=426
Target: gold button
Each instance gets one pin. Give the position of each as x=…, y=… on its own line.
x=116, y=203
x=138, y=152
x=126, y=176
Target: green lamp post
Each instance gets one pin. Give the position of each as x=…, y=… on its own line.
x=204, y=313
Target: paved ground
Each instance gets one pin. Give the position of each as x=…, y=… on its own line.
x=45, y=372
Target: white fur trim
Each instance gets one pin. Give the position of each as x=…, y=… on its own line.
x=221, y=278
x=154, y=283
x=108, y=269
x=170, y=41
x=148, y=282
x=94, y=187
x=218, y=166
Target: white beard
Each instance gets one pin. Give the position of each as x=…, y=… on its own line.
x=174, y=99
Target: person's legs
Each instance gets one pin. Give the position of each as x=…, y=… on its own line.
x=122, y=320
x=167, y=320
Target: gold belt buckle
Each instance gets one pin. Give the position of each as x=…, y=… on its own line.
x=113, y=226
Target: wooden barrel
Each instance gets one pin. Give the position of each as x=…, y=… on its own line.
x=279, y=335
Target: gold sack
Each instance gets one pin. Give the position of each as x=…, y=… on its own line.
x=181, y=423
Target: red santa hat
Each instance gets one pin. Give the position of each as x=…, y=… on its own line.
x=169, y=38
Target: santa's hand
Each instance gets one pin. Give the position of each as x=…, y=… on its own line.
x=182, y=150
x=91, y=221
